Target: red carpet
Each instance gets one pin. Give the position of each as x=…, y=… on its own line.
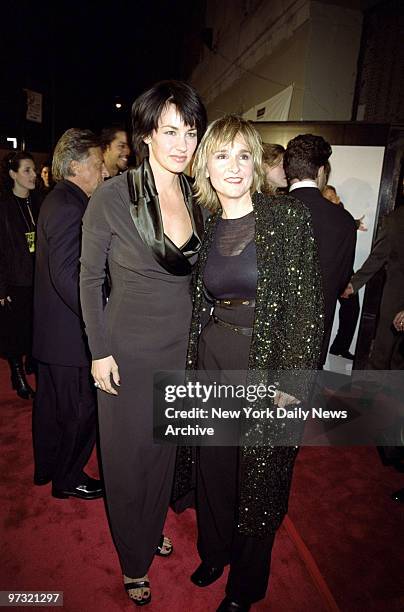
x=340, y=548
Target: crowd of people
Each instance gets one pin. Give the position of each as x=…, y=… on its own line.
x=117, y=273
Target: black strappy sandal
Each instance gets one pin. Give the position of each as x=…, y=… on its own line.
x=138, y=584
x=161, y=547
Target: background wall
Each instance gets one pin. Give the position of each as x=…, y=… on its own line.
x=257, y=49
x=356, y=174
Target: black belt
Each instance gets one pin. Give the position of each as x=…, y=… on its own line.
x=246, y=331
x=236, y=302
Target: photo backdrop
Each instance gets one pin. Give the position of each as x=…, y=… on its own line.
x=356, y=173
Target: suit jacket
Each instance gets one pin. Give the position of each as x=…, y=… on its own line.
x=387, y=251
x=335, y=232
x=58, y=328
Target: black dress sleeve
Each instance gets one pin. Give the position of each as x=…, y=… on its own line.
x=96, y=240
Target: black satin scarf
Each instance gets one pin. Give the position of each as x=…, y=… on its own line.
x=146, y=215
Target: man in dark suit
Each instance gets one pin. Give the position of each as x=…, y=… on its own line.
x=388, y=253
x=64, y=418
x=334, y=228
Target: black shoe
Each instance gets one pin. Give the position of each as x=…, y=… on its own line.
x=18, y=381
x=344, y=354
x=205, y=575
x=30, y=365
x=42, y=479
x=90, y=489
x=228, y=605
x=398, y=496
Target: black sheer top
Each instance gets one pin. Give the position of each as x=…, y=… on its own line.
x=231, y=268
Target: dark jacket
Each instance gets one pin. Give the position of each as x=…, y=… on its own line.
x=335, y=232
x=58, y=328
x=388, y=252
x=287, y=335
x=16, y=262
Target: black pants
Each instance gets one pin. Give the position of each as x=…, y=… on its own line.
x=219, y=542
x=16, y=323
x=349, y=310
x=64, y=423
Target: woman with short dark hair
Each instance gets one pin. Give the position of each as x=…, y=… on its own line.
x=146, y=226
x=18, y=216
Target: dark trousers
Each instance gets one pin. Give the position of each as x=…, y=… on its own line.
x=219, y=542
x=16, y=323
x=349, y=310
x=64, y=423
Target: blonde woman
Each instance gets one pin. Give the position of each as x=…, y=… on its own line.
x=258, y=270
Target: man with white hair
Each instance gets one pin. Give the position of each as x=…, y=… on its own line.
x=64, y=418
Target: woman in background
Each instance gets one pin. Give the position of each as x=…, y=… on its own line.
x=275, y=177
x=259, y=267
x=45, y=181
x=18, y=216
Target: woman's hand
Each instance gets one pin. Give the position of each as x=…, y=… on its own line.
x=283, y=399
x=361, y=226
x=398, y=321
x=3, y=301
x=102, y=370
x=348, y=291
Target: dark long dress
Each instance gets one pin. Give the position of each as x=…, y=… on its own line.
x=17, y=217
x=145, y=326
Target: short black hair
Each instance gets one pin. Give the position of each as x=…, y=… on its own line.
x=147, y=109
x=108, y=134
x=304, y=155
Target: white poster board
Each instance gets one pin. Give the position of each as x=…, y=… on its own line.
x=274, y=109
x=356, y=173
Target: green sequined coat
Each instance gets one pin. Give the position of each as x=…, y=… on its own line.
x=287, y=335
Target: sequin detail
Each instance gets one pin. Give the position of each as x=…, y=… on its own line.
x=287, y=335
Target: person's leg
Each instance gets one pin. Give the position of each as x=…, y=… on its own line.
x=249, y=568
x=17, y=322
x=216, y=500
x=348, y=317
x=45, y=429
x=76, y=418
x=138, y=477
x=18, y=381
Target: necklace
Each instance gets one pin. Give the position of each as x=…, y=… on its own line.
x=28, y=207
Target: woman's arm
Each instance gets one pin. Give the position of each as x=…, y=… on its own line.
x=96, y=240
x=302, y=316
x=4, y=297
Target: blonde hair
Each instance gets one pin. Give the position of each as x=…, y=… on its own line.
x=222, y=132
